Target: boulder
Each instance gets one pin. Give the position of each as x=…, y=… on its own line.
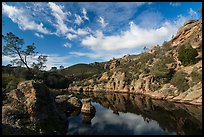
x=87, y=107
x=32, y=106
x=74, y=102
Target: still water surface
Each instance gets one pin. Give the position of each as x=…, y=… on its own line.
x=128, y=114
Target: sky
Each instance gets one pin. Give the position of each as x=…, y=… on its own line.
x=85, y=32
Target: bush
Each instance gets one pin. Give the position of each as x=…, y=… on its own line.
x=145, y=57
x=166, y=46
x=6, y=78
x=179, y=80
x=56, y=81
x=159, y=69
x=196, y=76
x=13, y=84
x=187, y=55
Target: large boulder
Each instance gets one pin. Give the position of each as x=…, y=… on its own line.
x=32, y=106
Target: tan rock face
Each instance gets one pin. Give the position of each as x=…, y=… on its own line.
x=191, y=33
x=113, y=65
x=116, y=81
x=104, y=77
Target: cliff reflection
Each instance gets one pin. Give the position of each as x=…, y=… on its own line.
x=171, y=117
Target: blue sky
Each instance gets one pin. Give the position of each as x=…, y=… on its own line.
x=85, y=32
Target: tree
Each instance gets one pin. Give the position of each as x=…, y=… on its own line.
x=187, y=55
x=61, y=67
x=42, y=59
x=53, y=69
x=145, y=48
x=14, y=48
x=159, y=69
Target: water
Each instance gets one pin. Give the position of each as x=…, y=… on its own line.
x=128, y=114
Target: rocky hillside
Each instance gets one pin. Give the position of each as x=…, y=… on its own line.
x=170, y=71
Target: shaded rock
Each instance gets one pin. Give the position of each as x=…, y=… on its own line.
x=32, y=106
x=75, y=102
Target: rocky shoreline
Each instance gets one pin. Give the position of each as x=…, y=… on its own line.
x=153, y=95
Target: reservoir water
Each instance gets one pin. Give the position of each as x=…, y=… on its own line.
x=128, y=114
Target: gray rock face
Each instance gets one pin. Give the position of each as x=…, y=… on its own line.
x=87, y=107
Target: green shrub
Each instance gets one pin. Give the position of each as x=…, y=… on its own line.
x=167, y=59
x=159, y=69
x=187, y=54
x=166, y=46
x=6, y=78
x=13, y=83
x=145, y=57
x=196, y=76
x=179, y=80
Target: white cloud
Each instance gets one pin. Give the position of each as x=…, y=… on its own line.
x=71, y=36
x=78, y=19
x=102, y=22
x=56, y=60
x=39, y=35
x=67, y=45
x=60, y=17
x=82, y=32
x=24, y=20
x=84, y=14
x=132, y=38
x=130, y=41
x=53, y=60
x=193, y=14
x=174, y=4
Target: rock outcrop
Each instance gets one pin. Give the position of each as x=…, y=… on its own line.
x=190, y=32
x=32, y=106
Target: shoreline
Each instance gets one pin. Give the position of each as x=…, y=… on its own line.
x=149, y=94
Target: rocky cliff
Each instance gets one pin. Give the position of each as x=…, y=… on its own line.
x=159, y=72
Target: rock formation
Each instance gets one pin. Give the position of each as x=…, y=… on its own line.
x=32, y=106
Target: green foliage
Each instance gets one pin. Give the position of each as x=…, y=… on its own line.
x=6, y=78
x=10, y=82
x=14, y=47
x=82, y=71
x=196, y=76
x=167, y=59
x=187, y=54
x=40, y=65
x=166, y=46
x=54, y=80
x=159, y=69
x=179, y=80
x=145, y=57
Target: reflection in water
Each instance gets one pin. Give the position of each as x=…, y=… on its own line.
x=118, y=113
